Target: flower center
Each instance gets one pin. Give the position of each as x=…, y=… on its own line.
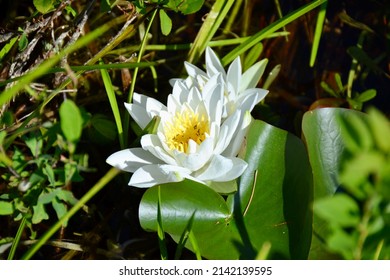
x=183, y=127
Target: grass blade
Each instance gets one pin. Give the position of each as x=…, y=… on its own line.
x=253, y=40
x=114, y=105
x=184, y=237
x=318, y=33
x=16, y=241
x=209, y=28
x=160, y=230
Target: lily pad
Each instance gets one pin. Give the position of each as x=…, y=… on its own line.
x=322, y=134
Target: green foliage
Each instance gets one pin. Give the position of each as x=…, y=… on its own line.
x=40, y=175
x=44, y=6
x=7, y=47
x=357, y=215
x=23, y=41
x=165, y=23
x=71, y=120
x=356, y=100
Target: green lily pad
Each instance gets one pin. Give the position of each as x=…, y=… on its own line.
x=322, y=134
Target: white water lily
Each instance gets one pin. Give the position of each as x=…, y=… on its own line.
x=240, y=92
x=192, y=140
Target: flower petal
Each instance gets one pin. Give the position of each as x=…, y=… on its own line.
x=228, y=130
x=143, y=109
x=213, y=64
x=234, y=75
x=222, y=169
x=152, y=175
x=237, y=142
x=180, y=91
x=193, y=70
x=131, y=159
x=213, y=98
x=198, y=159
x=152, y=143
x=252, y=76
x=250, y=97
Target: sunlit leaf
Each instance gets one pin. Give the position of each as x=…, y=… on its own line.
x=380, y=128
x=186, y=7
x=366, y=95
x=7, y=47
x=71, y=120
x=165, y=23
x=6, y=208
x=44, y=6
x=39, y=213
x=322, y=134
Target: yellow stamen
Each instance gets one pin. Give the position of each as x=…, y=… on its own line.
x=183, y=127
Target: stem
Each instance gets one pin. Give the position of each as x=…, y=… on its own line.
x=363, y=229
x=15, y=243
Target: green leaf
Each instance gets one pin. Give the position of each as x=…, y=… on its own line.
x=357, y=170
x=103, y=129
x=44, y=6
x=185, y=7
x=105, y=6
x=49, y=172
x=366, y=95
x=48, y=197
x=272, y=75
x=39, y=214
x=6, y=208
x=7, y=47
x=343, y=243
x=3, y=134
x=275, y=193
x=60, y=209
x=340, y=210
x=71, y=120
x=355, y=132
x=322, y=134
x=66, y=196
x=272, y=204
x=165, y=23
x=339, y=82
x=380, y=128
x=34, y=143
x=329, y=89
x=179, y=202
x=362, y=57
x=253, y=55
x=23, y=42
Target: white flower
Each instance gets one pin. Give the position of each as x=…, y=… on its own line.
x=192, y=140
x=239, y=89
